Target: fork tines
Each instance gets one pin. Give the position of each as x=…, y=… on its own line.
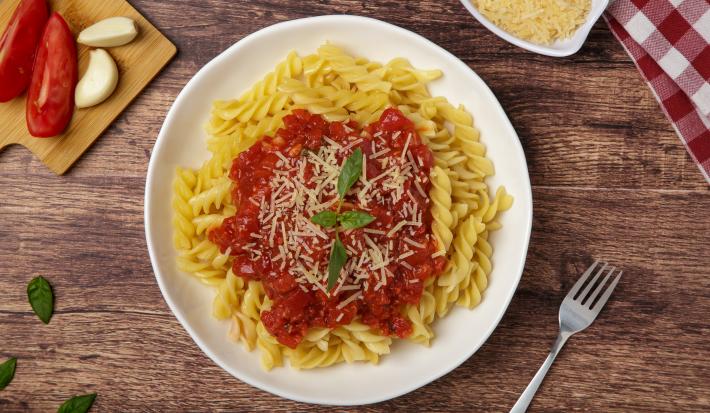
x=588, y=296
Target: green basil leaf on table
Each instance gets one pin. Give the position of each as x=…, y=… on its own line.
x=338, y=257
x=355, y=219
x=326, y=219
x=7, y=372
x=77, y=404
x=352, y=169
x=39, y=293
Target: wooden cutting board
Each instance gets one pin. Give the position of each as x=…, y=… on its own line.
x=138, y=62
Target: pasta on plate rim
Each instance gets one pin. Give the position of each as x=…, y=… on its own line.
x=338, y=86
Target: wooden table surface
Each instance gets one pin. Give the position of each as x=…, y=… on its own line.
x=610, y=179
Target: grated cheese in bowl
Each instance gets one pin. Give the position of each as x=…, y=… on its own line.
x=538, y=21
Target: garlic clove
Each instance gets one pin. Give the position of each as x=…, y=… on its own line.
x=111, y=32
x=99, y=81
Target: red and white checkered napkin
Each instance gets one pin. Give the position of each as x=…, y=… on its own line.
x=669, y=40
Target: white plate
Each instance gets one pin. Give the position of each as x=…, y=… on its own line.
x=182, y=143
x=560, y=48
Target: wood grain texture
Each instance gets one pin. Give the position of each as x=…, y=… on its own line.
x=610, y=179
x=138, y=62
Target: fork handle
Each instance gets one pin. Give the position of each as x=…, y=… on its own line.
x=524, y=401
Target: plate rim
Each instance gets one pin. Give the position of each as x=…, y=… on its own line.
x=148, y=205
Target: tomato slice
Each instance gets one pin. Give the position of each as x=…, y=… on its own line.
x=18, y=45
x=50, y=102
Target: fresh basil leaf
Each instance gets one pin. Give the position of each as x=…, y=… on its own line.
x=325, y=218
x=355, y=219
x=352, y=169
x=7, y=372
x=39, y=293
x=338, y=258
x=78, y=404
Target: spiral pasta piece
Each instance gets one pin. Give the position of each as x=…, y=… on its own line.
x=421, y=331
x=372, y=341
x=243, y=329
x=440, y=195
x=310, y=357
x=183, y=227
x=460, y=264
x=314, y=99
x=229, y=292
x=215, y=197
x=270, y=349
x=204, y=222
x=347, y=67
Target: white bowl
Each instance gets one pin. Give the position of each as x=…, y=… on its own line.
x=182, y=142
x=560, y=48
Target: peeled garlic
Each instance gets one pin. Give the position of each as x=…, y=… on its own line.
x=99, y=81
x=111, y=32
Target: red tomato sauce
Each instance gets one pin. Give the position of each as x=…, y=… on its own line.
x=298, y=305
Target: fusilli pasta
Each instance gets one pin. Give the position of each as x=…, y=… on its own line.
x=339, y=86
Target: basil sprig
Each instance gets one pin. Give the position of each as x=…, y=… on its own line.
x=349, y=174
x=7, y=372
x=41, y=298
x=77, y=404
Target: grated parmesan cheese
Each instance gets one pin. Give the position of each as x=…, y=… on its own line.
x=349, y=300
x=538, y=21
x=305, y=185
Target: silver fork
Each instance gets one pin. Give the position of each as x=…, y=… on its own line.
x=577, y=312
